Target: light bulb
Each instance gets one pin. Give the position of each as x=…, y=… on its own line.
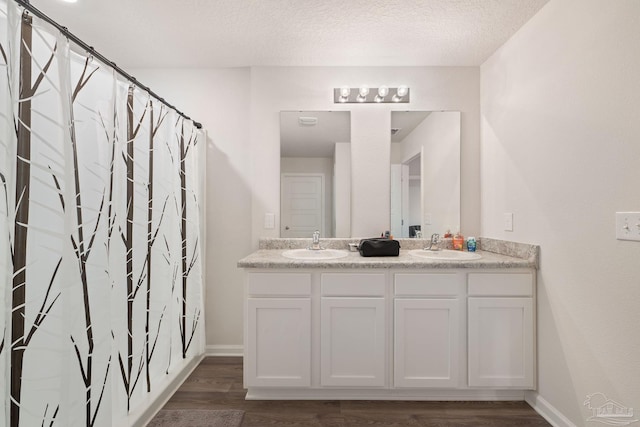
x=345, y=91
x=402, y=91
x=383, y=91
x=362, y=93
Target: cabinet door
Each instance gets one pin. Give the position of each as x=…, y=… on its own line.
x=279, y=342
x=501, y=342
x=426, y=347
x=353, y=342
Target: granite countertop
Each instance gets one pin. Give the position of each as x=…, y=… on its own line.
x=500, y=255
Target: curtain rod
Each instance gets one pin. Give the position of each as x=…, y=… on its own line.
x=32, y=9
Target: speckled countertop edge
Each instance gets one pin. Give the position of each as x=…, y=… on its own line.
x=495, y=254
x=272, y=258
x=340, y=243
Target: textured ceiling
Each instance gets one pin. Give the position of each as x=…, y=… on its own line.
x=228, y=33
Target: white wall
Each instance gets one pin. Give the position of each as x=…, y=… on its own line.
x=396, y=153
x=240, y=109
x=441, y=172
x=370, y=171
x=437, y=137
x=561, y=150
x=219, y=98
x=274, y=89
x=415, y=206
x=342, y=189
x=323, y=165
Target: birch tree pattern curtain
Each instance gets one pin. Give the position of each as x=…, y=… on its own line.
x=100, y=213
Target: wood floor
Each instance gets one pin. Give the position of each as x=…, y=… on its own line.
x=217, y=384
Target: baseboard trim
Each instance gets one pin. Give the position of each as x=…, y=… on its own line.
x=546, y=410
x=258, y=393
x=224, y=350
x=156, y=400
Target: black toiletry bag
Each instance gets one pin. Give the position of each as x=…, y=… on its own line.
x=379, y=247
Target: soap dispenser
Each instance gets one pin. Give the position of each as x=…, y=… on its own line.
x=458, y=242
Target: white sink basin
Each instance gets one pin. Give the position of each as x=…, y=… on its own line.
x=321, y=254
x=446, y=254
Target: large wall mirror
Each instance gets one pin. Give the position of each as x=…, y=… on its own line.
x=425, y=173
x=315, y=173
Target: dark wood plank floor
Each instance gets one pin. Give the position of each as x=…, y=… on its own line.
x=217, y=384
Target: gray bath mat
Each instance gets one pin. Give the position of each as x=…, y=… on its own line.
x=197, y=418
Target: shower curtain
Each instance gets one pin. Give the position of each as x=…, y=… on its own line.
x=100, y=234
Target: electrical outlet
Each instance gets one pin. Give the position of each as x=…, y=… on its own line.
x=508, y=221
x=628, y=226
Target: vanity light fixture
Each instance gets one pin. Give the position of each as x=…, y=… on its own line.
x=366, y=95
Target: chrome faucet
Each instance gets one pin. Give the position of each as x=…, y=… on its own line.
x=315, y=243
x=435, y=239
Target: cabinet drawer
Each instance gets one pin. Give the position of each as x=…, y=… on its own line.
x=496, y=284
x=353, y=284
x=436, y=284
x=282, y=284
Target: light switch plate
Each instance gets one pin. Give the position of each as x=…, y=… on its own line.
x=628, y=226
x=508, y=221
x=269, y=221
x=427, y=219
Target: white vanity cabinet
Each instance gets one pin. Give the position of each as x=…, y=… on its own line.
x=353, y=329
x=501, y=330
x=427, y=330
x=385, y=333
x=278, y=330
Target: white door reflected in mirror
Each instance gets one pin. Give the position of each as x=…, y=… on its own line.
x=302, y=204
x=406, y=197
x=315, y=145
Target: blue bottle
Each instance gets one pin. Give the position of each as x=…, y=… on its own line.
x=471, y=244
